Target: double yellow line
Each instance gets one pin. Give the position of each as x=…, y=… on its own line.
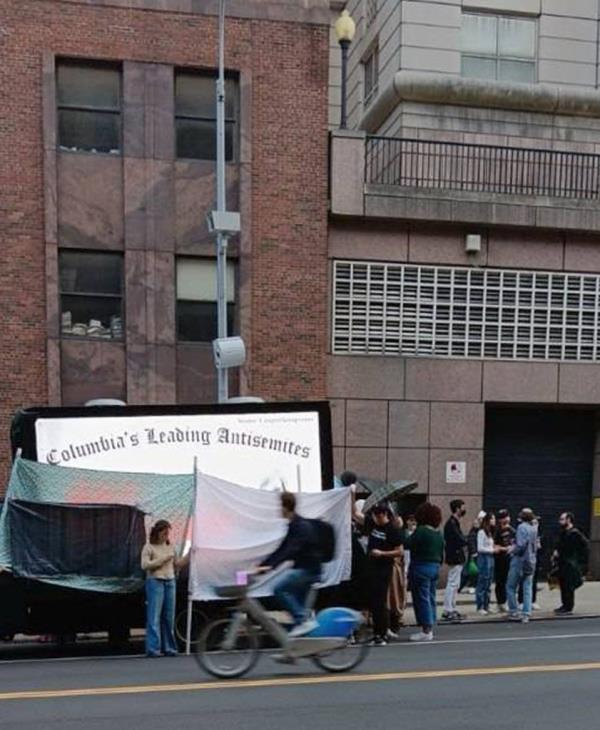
x=295, y=681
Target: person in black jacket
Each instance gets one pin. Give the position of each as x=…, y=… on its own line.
x=301, y=547
x=572, y=555
x=455, y=544
x=505, y=537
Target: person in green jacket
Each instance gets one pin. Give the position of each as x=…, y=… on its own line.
x=426, y=546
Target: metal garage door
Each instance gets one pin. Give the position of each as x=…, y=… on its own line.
x=540, y=458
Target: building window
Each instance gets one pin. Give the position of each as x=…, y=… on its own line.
x=371, y=72
x=88, y=107
x=437, y=311
x=91, y=294
x=197, y=299
x=370, y=12
x=195, y=116
x=498, y=47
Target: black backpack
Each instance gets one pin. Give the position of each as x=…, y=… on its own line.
x=325, y=539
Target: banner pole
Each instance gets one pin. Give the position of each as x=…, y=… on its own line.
x=188, y=626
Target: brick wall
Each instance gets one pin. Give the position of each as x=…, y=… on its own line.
x=287, y=210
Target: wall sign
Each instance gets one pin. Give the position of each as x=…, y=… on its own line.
x=456, y=472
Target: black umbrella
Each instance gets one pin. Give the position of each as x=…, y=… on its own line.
x=387, y=490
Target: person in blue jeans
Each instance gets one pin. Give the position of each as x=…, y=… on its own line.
x=486, y=551
x=301, y=547
x=160, y=562
x=426, y=546
x=522, y=566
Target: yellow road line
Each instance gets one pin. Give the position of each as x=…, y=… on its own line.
x=295, y=681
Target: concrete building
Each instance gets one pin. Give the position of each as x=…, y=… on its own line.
x=107, y=173
x=464, y=247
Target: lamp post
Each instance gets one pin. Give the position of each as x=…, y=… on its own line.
x=222, y=373
x=345, y=28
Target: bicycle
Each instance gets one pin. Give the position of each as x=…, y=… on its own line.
x=230, y=647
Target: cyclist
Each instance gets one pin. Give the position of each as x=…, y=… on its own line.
x=301, y=546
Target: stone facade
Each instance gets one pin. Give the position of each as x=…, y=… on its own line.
x=399, y=417
x=150, y=206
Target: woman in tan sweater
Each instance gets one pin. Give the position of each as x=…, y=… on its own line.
x=160, y=563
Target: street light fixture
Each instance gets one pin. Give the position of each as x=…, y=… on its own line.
x=345, y=28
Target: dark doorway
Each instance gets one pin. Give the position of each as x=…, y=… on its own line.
x=543, y=459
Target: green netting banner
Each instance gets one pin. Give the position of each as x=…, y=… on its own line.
x=159, y=496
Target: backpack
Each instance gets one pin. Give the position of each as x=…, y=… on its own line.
x=325, y=539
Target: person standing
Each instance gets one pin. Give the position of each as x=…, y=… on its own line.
x=572, y=555
x=426, y=546
x=504, y=537
x=468, y=580
x=455, y=543
x=411, y=526
x=383, y=547
x=522, y=566
x=160, y=562
x=486, y=550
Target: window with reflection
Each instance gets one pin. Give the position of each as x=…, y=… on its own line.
x=197, y=299
x=196, y=116
x=88, y=107
x=91, y=294
x=498, y=47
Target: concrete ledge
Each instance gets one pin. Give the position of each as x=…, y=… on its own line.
x=397, y=202
x=450, y=89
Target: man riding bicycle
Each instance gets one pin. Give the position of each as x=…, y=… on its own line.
x=301, y=546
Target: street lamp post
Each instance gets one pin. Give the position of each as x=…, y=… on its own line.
x=221, y=238
x=345, y=28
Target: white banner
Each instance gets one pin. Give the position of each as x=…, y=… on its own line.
x=262, y=450
x=236, y=528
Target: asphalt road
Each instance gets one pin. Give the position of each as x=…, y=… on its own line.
x=541, y=676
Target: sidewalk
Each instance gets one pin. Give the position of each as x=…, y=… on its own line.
x=587, y=605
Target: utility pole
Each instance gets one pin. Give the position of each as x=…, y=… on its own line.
x=222, y=237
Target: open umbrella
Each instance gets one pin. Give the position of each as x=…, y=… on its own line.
x=387, y=490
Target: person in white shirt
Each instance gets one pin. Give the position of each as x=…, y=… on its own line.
x=486, y=550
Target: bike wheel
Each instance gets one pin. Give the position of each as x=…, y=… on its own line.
x=199, y=620
x=227, y=663
x=343, y=659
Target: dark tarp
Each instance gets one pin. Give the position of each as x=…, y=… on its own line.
x=50, y=540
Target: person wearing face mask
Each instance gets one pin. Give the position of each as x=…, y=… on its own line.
x=455, y=545
x=572, y=555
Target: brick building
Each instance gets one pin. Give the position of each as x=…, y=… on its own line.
x=107, y=173
x=465, y=253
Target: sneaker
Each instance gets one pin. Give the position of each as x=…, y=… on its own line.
x=378, y=641
x=514, y=617
x=447, y=615
x=525, y=619
x=421, y=636
x=482, y=612
x=471, y=591
x=492, y=610
x=562, y=611
x=536, y=606
x=503, y=608
x=392, y=636
x=456, y=616
x=304, y=628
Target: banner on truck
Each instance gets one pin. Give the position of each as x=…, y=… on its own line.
x=266, y=450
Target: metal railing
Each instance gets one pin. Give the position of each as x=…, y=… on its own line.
x=482, y=168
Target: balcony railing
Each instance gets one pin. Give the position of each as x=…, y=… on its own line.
x=482, y=168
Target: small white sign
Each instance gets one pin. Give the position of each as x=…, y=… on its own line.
x=456, y=472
